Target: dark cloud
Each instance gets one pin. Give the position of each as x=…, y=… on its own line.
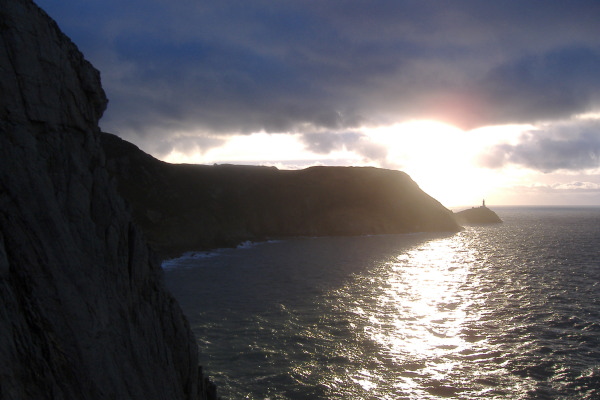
x=546, y=86
x=304, y=66
x=567, y=146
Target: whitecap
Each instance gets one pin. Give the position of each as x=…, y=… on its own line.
x=185, y=258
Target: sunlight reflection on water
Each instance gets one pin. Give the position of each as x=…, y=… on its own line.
x=421, y=310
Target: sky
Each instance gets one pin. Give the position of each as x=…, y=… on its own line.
x=473, y=99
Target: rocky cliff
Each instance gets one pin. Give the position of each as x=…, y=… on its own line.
x=193, y=207
x=477, y=215
x=83, y=310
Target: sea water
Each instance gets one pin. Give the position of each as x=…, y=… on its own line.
x=502, y=311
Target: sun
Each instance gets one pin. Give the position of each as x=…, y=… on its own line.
x=441, y=159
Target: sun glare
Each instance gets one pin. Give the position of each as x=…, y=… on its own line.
x=442, y=158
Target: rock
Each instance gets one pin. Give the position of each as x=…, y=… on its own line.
x=84, y=313
x=479, y=215
x=193, y=207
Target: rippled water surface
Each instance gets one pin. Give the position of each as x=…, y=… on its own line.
x=505, y=311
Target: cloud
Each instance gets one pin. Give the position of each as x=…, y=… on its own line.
x=328, y=142
x=187, y=145
x=546, y=86
x=566, y=188
x=304, y=66
x=571, y=146
x=577, y=186
x=325, y=143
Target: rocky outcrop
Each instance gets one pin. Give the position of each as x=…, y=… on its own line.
x=192, y=207
x=477, y=215
x=83, y=310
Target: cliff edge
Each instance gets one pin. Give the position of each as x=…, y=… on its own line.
x=185, y=207
x=84, y=313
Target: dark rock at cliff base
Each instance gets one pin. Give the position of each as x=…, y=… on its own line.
x=84, y=313
x=477, y=215
x=185, y=207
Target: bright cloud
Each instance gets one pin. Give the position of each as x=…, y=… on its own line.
x=572, y=145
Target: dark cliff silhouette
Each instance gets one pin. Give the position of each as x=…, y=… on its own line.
x=477, y=215
x=84, y=313
x=185, y=207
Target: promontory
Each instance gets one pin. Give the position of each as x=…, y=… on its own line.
x=477, y=215
x=185, y=207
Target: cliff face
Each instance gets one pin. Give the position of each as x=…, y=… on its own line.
x=193, y=207
x=83, y=310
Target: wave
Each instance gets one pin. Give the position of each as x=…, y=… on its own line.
x=187, y=259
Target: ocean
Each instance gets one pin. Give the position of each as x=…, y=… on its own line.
x=502, y=311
